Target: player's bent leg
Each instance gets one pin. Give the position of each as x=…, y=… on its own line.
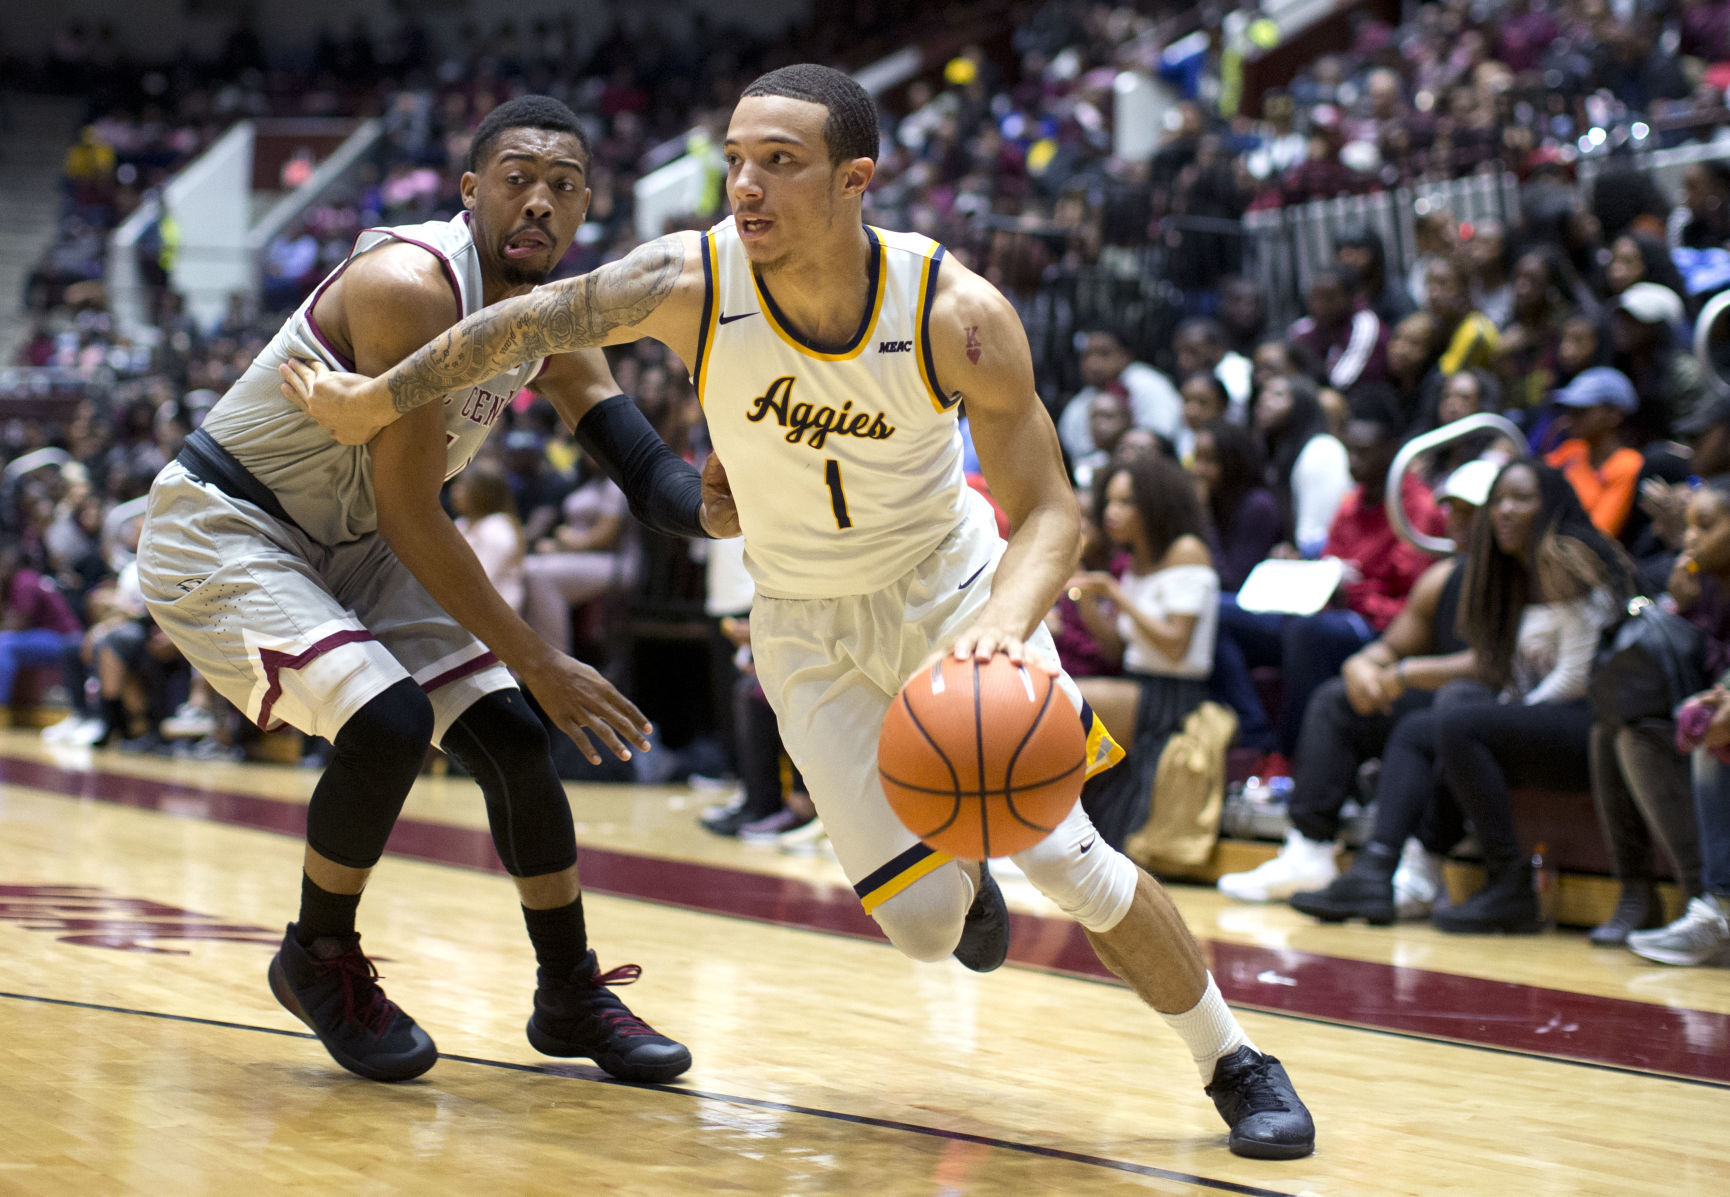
x=924, y=920
x=502, y=744
x=1141, y=937
x=320, y=975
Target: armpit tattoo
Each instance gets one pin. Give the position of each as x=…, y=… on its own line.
x=975, y=346
x=574, y=314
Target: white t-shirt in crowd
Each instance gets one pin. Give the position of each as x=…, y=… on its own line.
x=1177, y=590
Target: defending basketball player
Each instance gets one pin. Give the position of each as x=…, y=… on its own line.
x=325, y=587
x=830, y=358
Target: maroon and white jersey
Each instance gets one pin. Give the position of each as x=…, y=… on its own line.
x=324, y=486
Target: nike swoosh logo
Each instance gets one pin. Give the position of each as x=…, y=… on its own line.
x=730, y=319
x=974, y=578
x=1090, y=842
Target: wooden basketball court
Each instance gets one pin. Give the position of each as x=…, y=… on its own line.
x=141, y=899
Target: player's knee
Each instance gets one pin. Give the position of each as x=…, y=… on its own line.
x=394, y=726
x=506, y=724
x=924, y=920
x=1092, y=882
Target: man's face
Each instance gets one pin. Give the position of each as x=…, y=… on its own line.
x=1369, y=453
x=1329, y=302
x=1102, y=359
x=1195, y=353
x=1108, y=420
x=527, y=201
x=785, y=192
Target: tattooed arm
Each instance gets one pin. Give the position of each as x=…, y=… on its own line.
x=655, y=291
x=981, y=355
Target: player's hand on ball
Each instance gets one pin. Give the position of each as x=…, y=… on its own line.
x=720, y=515
x=352, y=407
x=983, y=641
x=583, y=704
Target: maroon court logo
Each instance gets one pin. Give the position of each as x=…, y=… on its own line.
x=88, y=915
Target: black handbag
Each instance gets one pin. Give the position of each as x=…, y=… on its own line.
x=1646, y=666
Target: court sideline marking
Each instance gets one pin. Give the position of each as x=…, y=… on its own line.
x=688, y=885
x=563, y=1073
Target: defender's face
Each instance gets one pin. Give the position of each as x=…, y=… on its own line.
x=527, y=202
x=785, y=192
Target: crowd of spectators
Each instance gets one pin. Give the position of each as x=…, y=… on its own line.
x=1203, y=441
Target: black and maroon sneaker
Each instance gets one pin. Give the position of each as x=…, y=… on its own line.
x=332, y=987
x=580, y=1016
x=1255, y=1097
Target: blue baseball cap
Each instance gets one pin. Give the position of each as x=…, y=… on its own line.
x=1600, y=384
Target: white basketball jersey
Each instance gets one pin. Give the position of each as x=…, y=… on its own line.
x=845, y=461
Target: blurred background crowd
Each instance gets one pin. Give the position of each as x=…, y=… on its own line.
x=1244, y=295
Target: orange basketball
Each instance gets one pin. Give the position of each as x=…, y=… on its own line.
x=981, y=760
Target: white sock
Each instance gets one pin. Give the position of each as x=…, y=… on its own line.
x=1210, y=1029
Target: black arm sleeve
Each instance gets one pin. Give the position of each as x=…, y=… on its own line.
x=665, y=492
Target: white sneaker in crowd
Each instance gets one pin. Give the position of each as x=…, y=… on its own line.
x=1418, y=882
x=189, y=722
x=1700, y=935
x=61, y=732
x=1301, y=865
x=75, y=731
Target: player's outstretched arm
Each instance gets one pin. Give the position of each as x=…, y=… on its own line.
x=655, y=291
x=666, y=493
x=981, y=353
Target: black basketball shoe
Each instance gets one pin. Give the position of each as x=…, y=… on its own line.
x=985, y=933
x=332, y=987
x=1255, y=1097
x=580, y=1016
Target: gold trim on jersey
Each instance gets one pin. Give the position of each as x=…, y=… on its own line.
x=1102, y=751
x=865, y=329
x=922, y=309
x=711, y=313
x=918, y=861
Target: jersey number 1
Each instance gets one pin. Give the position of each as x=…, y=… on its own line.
x=837, y=497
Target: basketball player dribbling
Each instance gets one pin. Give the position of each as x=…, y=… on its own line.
x=323, y=586
x=830, y=358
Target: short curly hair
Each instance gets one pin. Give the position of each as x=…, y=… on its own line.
x=851, y=130
x=525, y=112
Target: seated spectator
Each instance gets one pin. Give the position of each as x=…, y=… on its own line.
x=1204, y=401
x=1647, y=345
x=1640, y=782
x=38, y=626
x=1526, y=355
x=1161, y=620
x=1108, y=418
x=1242, y=314
x=1345, y=335
x=1601, y=469
x=1243, y=521
x=1637, y=258
x=1351, y=718
x=1467, y=336
x=1702, y=934
x=1702, y=219
x=1489, y=262
x=1380, y=571
x=1199, y=347
x=1153, y=401
x=487, y=518
x=1306, y=466
x=1412, y=357
x=1540, y=583
x=1467, y=393
x=1361, y=252
x=587, y=555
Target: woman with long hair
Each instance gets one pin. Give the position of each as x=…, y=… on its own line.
x=1540, y=585
x=1307, y=470
x=1243, y=517
x=1160, y=617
